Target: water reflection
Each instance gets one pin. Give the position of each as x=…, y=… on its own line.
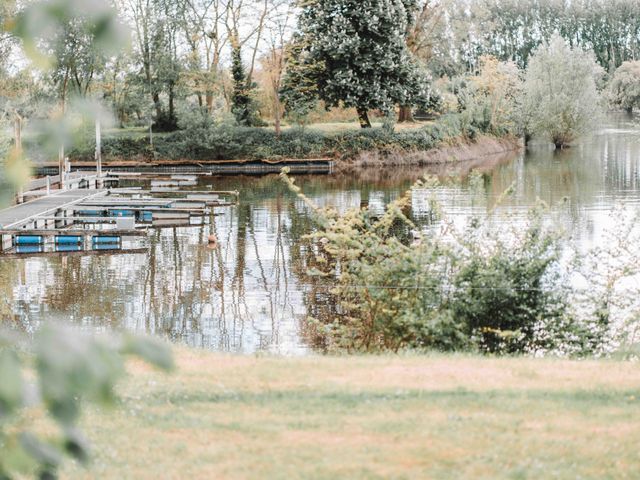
x=247, y=294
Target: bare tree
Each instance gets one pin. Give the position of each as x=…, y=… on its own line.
x=206, y=37
x=278, y=29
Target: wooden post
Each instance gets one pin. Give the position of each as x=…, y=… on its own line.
x=98, y=153
x=17, y=131
x=61, y=165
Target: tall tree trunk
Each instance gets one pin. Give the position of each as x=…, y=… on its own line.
x=363, y=116
x=156, y=103
x=172, y=108
x=277, y=116
x=209, y=102
x=406, y=114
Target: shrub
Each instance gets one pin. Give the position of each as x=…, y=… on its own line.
x=204, y=141
x=507, y=292
x=378, y=284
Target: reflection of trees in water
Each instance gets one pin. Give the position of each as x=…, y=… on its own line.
x=7, y=282
x=217, y=307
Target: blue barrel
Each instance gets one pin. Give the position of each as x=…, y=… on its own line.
x=102, y=240
x=30, y=249
x=68, y=248
x=28, y=240
x=121, y=213
x=68, y=239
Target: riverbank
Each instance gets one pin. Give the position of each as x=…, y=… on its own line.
x=238, y=417
x=459, y=149
x=222, y=148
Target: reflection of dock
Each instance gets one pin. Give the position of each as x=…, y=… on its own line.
x=99, y=219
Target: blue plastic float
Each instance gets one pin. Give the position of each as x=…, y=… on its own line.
x=28, y=240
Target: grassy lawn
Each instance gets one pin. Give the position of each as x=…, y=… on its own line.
x=370, y=417
x=332, y=127
x=337, y=127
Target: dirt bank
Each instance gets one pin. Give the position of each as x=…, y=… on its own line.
x=457, y=150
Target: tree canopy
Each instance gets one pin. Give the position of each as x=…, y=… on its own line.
x=362, y=48
x=561, y=101
x=624, y=89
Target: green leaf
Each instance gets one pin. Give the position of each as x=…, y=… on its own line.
x=11, y=383
x=44, y=453
x=151, y=350
x=76, y=445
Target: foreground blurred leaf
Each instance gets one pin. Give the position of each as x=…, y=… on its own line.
x=73, y=366
x=151, y=350
x=46, y=20
x=17, y=169
x=76, y=445
x=11, y=383
x=44, y=453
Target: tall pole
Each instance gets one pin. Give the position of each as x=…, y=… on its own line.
x=18, y=145
x=61, y=165
x=18, y=132
x=98, y=152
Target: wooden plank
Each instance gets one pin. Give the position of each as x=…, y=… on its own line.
x=26, y=212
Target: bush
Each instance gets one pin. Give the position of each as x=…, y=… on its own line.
x=507, y=292
x=378, y=284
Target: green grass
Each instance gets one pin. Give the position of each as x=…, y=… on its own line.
x=327, y=127
x=369, y=418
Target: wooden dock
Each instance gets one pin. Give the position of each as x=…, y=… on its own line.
x=81, y=219
x=21, y=215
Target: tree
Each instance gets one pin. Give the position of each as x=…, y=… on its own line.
x=423, y=37
x=624, y=89
x=561, y=101
x=243, y=107
x=495, y=92
x=274, y=60
x=156, y=27
x=206, y=38
x=299, y=90
x=362, y=48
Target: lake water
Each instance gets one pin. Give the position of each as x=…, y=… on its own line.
x=249, y=294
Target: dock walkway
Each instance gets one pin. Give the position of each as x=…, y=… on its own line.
x=19, y=215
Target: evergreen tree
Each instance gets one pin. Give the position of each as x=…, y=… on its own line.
x=243, y=105
x=361, y=46
x=299, y=92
